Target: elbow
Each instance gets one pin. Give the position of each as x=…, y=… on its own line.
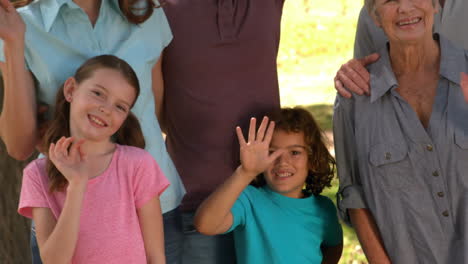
x=203, y=227
x=19, y=152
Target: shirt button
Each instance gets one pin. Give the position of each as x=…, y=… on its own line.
x=435, y=173
x=440, y=194
x=388, y=156
x=429, y=147
x=445, y=213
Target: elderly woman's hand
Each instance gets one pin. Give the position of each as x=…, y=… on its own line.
x=464, y=84
x=353, y=77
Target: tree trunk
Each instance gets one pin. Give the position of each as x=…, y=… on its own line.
x=14, y=229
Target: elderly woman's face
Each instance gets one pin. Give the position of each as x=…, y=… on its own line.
x=405, y=20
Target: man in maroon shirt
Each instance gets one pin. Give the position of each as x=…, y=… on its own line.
x=219, y=71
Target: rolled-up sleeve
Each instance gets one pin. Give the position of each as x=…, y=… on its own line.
x=350, y=193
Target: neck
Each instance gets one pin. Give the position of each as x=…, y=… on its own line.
x=91, y=8
x=417, y=57
x=96, y=149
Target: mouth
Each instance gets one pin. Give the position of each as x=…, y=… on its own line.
x=96, y=121
x=409, y=22
x=283, y=175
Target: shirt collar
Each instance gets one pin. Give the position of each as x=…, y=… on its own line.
x=51, y=8
x=382, y=78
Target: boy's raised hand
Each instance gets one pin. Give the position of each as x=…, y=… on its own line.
x=254, y=153
x=69, y=159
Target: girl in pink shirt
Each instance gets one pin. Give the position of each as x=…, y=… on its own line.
x=95, y=198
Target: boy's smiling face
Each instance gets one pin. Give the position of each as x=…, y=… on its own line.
x=288, y=173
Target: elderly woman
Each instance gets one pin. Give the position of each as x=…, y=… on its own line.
x=402, y=152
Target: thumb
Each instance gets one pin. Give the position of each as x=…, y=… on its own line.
x=369, y=59
x=273, y=156
x=464, y=85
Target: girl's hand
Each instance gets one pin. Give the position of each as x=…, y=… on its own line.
x=69, y=159
x=12, y=27
x=254, y=154
x=464, y=84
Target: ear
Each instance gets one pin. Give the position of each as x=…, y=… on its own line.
x=376, y=18
x=69, y=88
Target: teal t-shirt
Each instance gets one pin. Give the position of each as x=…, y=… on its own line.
x=272, y=228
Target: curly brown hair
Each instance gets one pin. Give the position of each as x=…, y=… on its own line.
x=321, y=162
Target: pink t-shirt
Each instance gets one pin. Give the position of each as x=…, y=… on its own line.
x=109, y=227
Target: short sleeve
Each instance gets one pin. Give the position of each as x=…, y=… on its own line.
x=2, y=52
x=240, y=208
x=165, y=32
x=149, y=180
x=350, y=193
x=333, y=232
x=33, y=190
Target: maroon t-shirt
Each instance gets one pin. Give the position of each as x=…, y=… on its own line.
x=219, y=71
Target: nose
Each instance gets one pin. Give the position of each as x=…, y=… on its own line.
x=104, y=109
x=283, y=158
x=406, y=6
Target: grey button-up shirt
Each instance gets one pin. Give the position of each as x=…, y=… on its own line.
x=413, y=179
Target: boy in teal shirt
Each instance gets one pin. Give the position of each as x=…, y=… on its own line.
x=284, y=219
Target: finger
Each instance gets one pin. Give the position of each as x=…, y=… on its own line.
x=349, y=83
x=362, y=73
x=7, y=5
x=240, y=137
x=369, y=59
x=262, y=128
x=51, y=152
x=464, y=85
x=73, y=152
x=276, y=154
x=66, y=145
x=253, y=123
x=340, y=89
x=269, y=133
x=83, y=156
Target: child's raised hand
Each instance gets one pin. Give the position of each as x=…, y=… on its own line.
x=69, y=159
x=12, y=27
x=254, y=154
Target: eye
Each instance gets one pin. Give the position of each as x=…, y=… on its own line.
x=97, y=93
x=122, y=108
x=295, y=152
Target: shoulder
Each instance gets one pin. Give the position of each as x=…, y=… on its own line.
x=134, y=156
x=36, y=170
x=326, y=205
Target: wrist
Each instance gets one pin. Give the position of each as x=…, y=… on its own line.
x=248, y=175
x=14, y=46
x=77, y=186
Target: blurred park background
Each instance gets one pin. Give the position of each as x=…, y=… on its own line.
x=316, y=38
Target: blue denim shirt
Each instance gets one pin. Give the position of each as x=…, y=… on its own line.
x=414, y=180
x=60, y=37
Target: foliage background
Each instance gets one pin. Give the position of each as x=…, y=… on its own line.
x=316, y=38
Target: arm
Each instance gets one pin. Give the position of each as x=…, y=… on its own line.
x=18, y=129
x=331, y=255
x=351, y=201
x=151, y=223
x=158, y=92
x=57, y=239
x=214, y=215
x=464, y=85
x=369, y=235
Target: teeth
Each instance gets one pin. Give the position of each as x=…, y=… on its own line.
x=412, y=21
x=97, y=121
x=284, y=174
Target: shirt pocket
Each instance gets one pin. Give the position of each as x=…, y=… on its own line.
x=391, y=166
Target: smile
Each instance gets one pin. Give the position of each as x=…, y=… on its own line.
x=409, y=21
x=97, y=121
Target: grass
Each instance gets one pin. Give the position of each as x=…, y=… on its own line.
x=316, y=38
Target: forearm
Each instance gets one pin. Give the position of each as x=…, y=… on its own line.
x=18, y=124
x=213, y=211
x=331, y=255
x=369, y=235
x=60, y=246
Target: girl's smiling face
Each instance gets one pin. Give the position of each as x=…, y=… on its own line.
x=99, y=104
x=288, y=173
